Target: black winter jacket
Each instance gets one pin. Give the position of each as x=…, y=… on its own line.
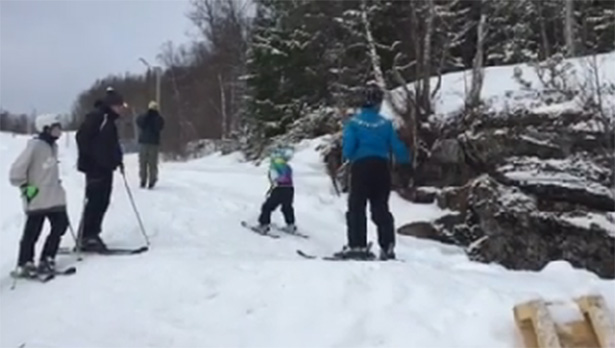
x=98, y=142
x=150, y=124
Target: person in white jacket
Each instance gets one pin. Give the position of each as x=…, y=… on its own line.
x=36, y=173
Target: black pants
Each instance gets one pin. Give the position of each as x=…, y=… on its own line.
x=32, y=230
x=279, y=196
x=97, y=194
x=370, y=180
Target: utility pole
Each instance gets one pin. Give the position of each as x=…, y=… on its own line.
x=158, y=71
x=158, y=84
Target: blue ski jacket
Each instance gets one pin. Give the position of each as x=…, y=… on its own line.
x=368, y=134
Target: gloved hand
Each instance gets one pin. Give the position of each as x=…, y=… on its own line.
x=29, y=191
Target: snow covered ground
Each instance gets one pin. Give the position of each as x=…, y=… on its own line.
x=502, y=92
x=207, y=282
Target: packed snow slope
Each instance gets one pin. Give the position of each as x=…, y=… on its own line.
x=207, y=282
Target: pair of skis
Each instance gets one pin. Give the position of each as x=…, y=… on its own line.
x=44, y=277
x=367, y=257
x=108, y=251
x=255, y=229
x=335, y=258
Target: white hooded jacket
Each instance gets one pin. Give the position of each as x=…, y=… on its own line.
x=38, y=165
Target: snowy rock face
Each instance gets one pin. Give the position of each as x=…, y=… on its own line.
x=526, y=189
x=516, y=234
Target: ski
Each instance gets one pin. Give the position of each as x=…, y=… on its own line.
x=40, y=277
x=109, y=251
x=120, y=251
x=66, y=271
x=333, y=258
x=328, y=258
x=253, y=229
x=296, y=233
x=43, y=277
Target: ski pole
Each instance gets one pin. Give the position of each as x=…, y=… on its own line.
x=79, y=235
x=134, y=207
x=77, y=242
x=72, y=232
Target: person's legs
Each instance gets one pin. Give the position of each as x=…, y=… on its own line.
x=98, y=193
x=143, y=153
x=287, y=196
x=356, y=221
x=379, y=204
x=32, y=230
x=153, y=165
x=59, y=224
x=271, y=203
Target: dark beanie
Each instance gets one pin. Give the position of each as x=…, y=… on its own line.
x=113, y=98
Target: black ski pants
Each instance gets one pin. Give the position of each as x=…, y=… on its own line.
x=282, y=195
x=98, y=187
x=370, y=180
x=32, y=231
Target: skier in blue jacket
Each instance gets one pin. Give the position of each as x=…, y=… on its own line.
x=368, y=140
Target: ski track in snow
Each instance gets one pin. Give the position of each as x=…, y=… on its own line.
x=208, y=282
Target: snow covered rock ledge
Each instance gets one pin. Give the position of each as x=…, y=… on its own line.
x=525, y=189
x=516, y=234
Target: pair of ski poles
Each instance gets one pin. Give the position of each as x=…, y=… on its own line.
x=77, y=236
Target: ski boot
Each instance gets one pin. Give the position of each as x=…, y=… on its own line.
x=93, y=244
x=47, y=266
x=27, y=270
x=290, y=229
x=355, y=253
x=262, y=229
x=387, y=253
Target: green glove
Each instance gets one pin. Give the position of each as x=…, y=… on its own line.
x=29, y=191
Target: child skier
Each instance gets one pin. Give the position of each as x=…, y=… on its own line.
x=281, y=192
x=36, y=173
x=368, y=139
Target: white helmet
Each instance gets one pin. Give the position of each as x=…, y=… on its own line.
x=47, y=120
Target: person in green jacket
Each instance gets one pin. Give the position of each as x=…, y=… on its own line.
x=150, y=125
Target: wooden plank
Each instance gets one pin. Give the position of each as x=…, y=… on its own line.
x=536, y=325
x=597, y=315
x=577, y=334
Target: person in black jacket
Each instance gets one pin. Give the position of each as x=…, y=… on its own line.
x=150, y=124
x=100, y=155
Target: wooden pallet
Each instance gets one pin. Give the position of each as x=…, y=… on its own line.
x=593, y=327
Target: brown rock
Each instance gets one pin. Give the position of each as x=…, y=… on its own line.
x=424, y=230
x=454, y=198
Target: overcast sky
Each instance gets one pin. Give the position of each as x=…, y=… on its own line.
x=50, y=50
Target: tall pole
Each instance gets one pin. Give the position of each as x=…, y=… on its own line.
x=158, y=83
x=158, y=71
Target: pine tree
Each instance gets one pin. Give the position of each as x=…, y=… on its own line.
x=595, y=26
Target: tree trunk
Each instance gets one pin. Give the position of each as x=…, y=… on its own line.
x=569, y=27
x=425, y=98
x=223, y=107
x=546, y=47
x=473, y=99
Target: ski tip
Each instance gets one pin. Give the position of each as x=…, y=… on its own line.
x=307, y=256
x=70, y=270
